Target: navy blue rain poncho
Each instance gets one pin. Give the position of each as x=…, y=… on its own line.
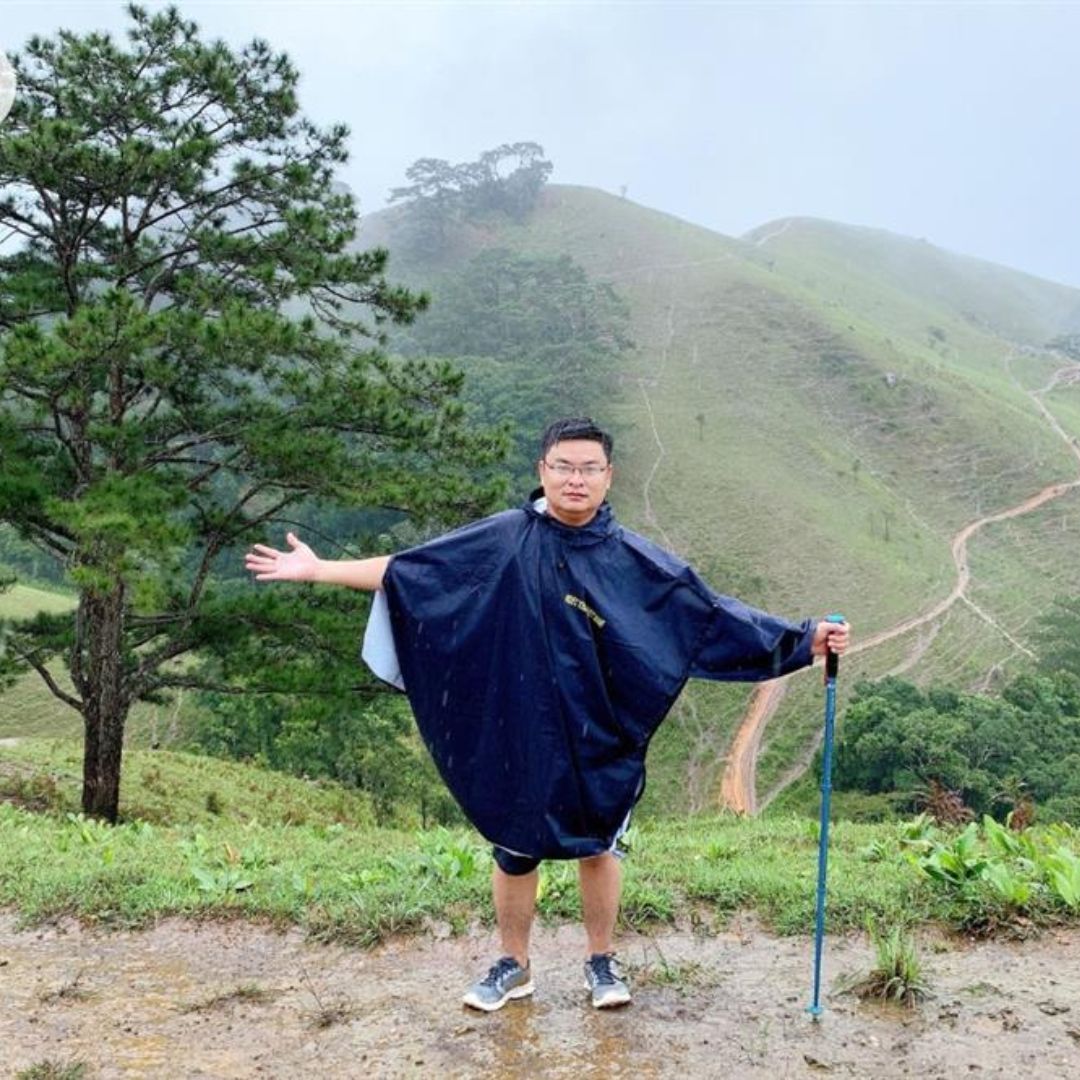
x=540, y=658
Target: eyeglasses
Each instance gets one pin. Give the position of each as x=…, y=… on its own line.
x=565, y=469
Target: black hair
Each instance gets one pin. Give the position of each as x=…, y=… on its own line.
x=575, y=427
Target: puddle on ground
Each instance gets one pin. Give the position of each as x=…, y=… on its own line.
x=232, y=1000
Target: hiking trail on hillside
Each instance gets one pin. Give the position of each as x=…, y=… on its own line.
x=738, y=788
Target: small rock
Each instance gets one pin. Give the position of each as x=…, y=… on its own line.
x=816, y=1063
x=949, y=1011
x=1052, y=1008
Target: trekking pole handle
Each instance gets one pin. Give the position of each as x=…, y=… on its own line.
x=832, y=661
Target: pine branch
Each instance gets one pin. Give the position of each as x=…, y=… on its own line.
x=46, y=675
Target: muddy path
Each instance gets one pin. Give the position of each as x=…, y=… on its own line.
x=738, y=786
x=234, y=1000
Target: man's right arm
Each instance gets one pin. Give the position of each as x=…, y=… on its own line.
x=355, y=573
x=302, y=564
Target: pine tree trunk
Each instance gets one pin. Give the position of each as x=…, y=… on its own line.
x=106, y=702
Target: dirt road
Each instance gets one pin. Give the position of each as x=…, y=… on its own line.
x=738, y=787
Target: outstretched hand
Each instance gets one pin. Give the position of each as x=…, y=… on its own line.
x=269, y=564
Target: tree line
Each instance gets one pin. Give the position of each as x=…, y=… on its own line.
x=506, y=180
x=972, y=753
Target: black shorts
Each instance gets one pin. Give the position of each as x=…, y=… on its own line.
x=517, y=865
x=514, y=865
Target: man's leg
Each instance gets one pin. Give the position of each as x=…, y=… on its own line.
x=601, y=884
x=515, y=903
x=601, y=887
x=514, y=894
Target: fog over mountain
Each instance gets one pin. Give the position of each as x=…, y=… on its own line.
x=948, y=122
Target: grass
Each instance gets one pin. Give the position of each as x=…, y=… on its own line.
x=50, y=1069
x=69, y=991
x=655, y=969
x=333, y=873
x=897, y=975
x=30, y=710
x=25, y=601
x=178, y=789
x=245, y=993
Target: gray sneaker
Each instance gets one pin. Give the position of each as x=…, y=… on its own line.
x=604, y=979
x=507, y=979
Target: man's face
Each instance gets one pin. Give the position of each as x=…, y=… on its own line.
x=575, y=476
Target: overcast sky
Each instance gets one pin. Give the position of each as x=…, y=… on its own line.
x=953, y=122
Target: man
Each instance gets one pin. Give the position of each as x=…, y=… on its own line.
x=540, y=649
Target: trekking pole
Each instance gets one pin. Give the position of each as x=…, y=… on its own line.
x=832, y=666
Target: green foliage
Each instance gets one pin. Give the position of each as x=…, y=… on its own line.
x=50, y=1069
x=189, y=355
x=1015, y=891
x=448, y=857
x=1063, y=873
x=897, y=974
x=374, y=748
x=26, y=561
x=220, y=872
x=504, y=181
x=164, y=787
x=543, y=308
x=997, y=876
x=680, y=975
x=993, y=752
x=957, y=861
x=1069, y=344
x=557, y=890
x=343, y=878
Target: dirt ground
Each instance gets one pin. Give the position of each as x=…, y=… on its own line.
x=234, y=1000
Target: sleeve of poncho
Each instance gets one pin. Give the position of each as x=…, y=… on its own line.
x=741, y=643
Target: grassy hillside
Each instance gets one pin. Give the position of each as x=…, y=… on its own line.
x=811, y=413
x=895, y=276
x=30, y=710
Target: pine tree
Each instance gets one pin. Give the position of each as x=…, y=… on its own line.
x=189, y=348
